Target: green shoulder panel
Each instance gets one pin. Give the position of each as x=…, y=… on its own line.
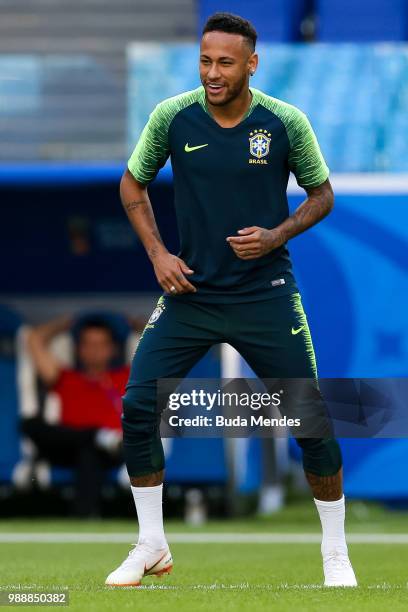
x=152, y=149
x=305, y=158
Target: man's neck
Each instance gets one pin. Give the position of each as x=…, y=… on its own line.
x=232, y=113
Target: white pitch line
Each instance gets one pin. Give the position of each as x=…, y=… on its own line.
x=199, y=538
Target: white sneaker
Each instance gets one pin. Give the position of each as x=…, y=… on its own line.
x=141, y=561
x=338, y=571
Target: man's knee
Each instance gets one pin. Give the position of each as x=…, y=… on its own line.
x=140, y=395
x=320, y=456
x=142, y=446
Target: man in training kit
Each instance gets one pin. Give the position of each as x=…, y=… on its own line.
x=231, y=148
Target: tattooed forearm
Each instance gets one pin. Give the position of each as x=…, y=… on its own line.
x=155, y=233
x=317, y=206
x=129, y=206
x=145, y=216
x=136, y=203
x=153, y=253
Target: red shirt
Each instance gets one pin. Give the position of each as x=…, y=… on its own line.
x=90, y=402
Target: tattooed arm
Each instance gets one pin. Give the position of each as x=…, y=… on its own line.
x=318, y=204
x=254, y=241
x=169, y=269
x=137, y=205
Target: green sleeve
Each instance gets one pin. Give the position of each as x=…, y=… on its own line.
x=305, y=158
x=152, y=149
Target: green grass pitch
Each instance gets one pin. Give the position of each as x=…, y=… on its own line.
x=216, y=576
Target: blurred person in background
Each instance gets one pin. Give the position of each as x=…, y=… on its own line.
x=88, y=435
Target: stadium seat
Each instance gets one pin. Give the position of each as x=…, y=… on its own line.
x=352, y=123
x=10, y=327
x=206, y=463
x=275, y=20
x=363, y=21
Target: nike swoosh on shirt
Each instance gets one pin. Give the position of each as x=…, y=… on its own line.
x=189, y=149
x=296, y=331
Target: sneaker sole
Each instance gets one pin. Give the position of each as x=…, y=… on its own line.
x=166, y=570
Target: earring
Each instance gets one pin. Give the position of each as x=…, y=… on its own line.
x=252, y=73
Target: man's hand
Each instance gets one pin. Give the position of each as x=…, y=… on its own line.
x=170, y=271
x=254, y=242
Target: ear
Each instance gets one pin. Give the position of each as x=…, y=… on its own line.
x=253, y=63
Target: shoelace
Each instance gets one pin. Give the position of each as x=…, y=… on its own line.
x=336, y=564
x=139, y=550
x=133, y=554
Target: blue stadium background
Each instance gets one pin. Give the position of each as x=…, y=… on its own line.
x=69, y=118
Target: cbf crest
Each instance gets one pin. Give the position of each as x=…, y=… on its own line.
x=160, y=307
x=259, y=143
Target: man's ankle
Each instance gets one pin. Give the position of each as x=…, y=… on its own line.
x=153, y=543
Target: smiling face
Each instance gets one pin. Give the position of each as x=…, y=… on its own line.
x=226, y=61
